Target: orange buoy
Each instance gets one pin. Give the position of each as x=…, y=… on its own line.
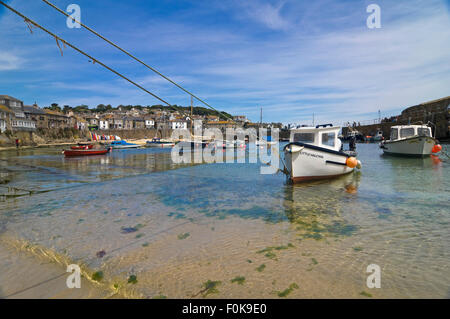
x=351, y=162
x=436, y=149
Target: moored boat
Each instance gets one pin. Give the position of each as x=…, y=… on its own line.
x=411, y=140
x=193, y=145
x=82, y=147
x=86, y=152
x=156, y=142
x=123, y=144
x=317, y=153
x=375, y=138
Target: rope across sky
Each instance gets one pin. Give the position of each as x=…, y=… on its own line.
x=135, y=58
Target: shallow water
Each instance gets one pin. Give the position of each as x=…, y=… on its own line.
x=176, y=227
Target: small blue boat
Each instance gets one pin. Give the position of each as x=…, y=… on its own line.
x=123, y=144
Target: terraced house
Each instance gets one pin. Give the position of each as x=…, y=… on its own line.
x=5, y=118
x=18, y=119
x=47, y=119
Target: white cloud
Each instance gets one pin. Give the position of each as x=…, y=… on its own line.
x=9, y=61
x=267, y=14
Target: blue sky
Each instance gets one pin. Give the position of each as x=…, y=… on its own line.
x=292, y=57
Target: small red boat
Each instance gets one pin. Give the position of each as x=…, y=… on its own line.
x=82, y=147
x=86, y=152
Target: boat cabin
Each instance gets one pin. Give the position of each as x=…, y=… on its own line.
x=404, y=131
x=325, y=136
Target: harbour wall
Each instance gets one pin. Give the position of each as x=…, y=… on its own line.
x=42, y=136
x=436, y=112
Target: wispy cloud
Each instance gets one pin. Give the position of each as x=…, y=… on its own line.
x=270, y=15
x=9, y=61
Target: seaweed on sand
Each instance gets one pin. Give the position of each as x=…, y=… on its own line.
x=239, y=279
x=288, y=290
x=183, y=236
x=260, y=268
x=209, y=287
x=132, y=279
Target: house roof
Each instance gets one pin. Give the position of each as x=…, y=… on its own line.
x=4, y=108
x=220, y=122
x=130, y=118
x=51, y=112
x=32, y=110
x=7, y=97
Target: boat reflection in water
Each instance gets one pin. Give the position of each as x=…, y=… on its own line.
x=315, y=208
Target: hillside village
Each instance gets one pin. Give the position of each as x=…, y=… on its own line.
x=15, y=116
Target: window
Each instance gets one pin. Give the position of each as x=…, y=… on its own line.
x=423, y=131
x=328, y=139
x=304, y=137
x=394, y=133
x=406, y=132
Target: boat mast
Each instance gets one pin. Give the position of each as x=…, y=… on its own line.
x=192, y=112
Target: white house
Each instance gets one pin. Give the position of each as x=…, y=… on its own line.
x=103, y=124
x=149, y=123
x=175, y=124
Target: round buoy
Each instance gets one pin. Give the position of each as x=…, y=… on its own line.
x=351, y=162
x=436, y=149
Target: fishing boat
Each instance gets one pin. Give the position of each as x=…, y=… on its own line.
x=86, y=152
x=411, y=140
x=156, y=142
x=82, y=147
x=123, y=144
x=317, y=153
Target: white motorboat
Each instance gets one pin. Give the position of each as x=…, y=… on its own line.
x=411, y=140
x=317, y=153
x=123, y=145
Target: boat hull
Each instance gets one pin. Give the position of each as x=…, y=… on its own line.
x=124, y=146
x=414, y=146
x=153, y=144
x=72, y=153
x=306, y=163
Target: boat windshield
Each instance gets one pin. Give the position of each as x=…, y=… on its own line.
x=304, y=138
x=394, y=134
x=423, y=131
x=328, y=138
x=406, y=132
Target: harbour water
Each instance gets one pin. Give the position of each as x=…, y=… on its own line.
x=141, y=226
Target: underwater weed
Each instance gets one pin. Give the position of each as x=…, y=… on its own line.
x=97, y=276
x=183, y=236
